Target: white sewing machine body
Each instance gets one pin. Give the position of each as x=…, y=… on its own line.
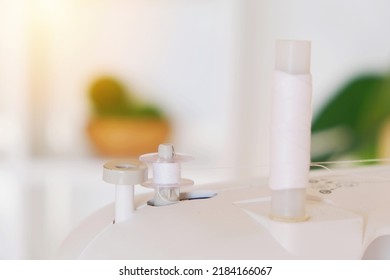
x=349, y=214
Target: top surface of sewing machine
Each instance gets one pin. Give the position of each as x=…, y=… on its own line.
x=348, y=209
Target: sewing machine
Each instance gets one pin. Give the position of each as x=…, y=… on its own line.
x=340, y=214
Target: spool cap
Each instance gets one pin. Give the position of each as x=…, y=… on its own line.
x=125, y=172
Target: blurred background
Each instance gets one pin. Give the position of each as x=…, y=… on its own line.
x=201, y=67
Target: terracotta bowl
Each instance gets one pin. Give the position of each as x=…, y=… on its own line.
x=127, y=137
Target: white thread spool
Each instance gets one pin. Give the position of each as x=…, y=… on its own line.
x=124, y=174
x=166, y=175
x=290, y=131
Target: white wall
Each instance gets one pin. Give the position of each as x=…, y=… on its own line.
x=179, y=54
x=348, y=37
x=207, y=63
x=14, y=80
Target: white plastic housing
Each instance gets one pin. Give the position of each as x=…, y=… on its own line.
x=234, y=224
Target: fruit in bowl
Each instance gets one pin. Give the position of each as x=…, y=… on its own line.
x=121, y=125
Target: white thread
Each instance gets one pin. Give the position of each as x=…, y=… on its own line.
x=165, y=196
x=290, y=131
x=166, y=173
x=321, y=164
x=354, y=161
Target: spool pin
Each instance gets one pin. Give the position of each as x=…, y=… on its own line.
x=124, y=174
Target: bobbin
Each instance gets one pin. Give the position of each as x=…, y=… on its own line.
x=166, y=180
x=124, y=174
